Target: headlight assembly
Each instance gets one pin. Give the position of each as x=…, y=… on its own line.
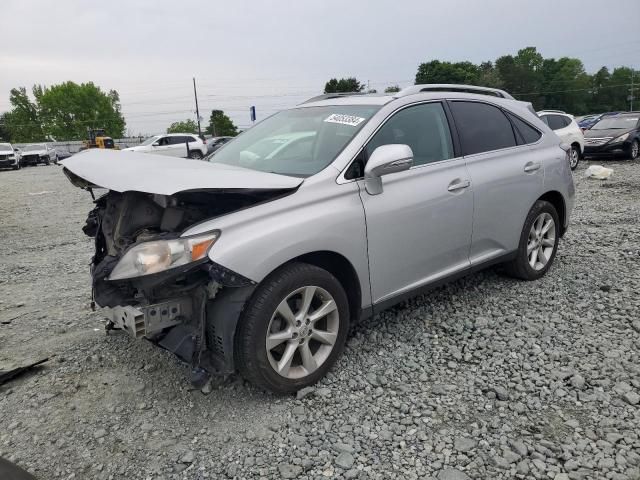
x=621, y=138
x=160, y=255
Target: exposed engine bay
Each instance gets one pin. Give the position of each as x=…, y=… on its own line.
x=192, y=309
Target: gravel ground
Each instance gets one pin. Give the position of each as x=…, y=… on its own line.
x=486, y=378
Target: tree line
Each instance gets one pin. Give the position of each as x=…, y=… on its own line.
x=547, y=83
x=65, y=112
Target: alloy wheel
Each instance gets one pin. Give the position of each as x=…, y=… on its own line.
x=302, y=332
x=541, y=242
x=634, y=150
x=574, y=158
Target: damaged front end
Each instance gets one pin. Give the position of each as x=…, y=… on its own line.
x=137, y=237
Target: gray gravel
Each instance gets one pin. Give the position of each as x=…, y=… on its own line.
x=486, y=378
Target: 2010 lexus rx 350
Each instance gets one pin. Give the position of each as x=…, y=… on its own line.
x=318, y=216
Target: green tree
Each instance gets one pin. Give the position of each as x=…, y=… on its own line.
x=64, y=112
x=220, y=125
x=489, y=76
x=392, y=89
x=344, y=85
x=23, y=121
x=5, y=134
x=436, y=71
x=68, y=109
x=522, y=75
x=186, y=126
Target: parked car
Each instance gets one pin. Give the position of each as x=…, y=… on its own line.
x=259, y=261
x=62, y=154
x=38, y=153
x=615, y=135
x=173, y=145
x=565, y=126
x=214, y=143
x=585, y=123
x=9, y=158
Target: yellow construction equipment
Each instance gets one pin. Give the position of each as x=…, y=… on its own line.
x=98, y=139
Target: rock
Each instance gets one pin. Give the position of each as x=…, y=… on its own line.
x=519, y=447
x=501, y=393
x=187, y=457
x=463, y=444
x=304, y=392
x=343, y=447
x=345, y=460
x=561, y=476
x=523, y=467
x=323, y=392
x=99, y=433
x=289, y=471
x=577, y=381
x=452, y=474
x=632, y=398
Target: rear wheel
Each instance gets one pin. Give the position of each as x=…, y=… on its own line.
x=538, y=243
x=633, y=150
x=574, y=156
x=293, y=328
x=195, y=155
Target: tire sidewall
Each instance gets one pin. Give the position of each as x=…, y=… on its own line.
x=259, y=311
x=538, y=208
x=630, y=152
x=196, y=155
x=577, y=154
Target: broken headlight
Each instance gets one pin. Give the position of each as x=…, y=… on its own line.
x=160, y=255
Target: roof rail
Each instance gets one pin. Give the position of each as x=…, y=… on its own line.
x=452, y=87
x=329, y=96
x=553, y=111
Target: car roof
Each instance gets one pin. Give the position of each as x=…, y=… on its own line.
x=174, y=134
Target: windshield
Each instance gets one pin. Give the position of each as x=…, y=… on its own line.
x=298, y=142
x=5, y=146
x=33, y=148
x=618, y=123
x=150, y=140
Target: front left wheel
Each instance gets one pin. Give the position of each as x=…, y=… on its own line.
x=195, y=155
x=292, y=329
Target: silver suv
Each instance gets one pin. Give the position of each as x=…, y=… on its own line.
x=319, y=216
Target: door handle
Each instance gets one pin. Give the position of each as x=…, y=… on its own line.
x=458, y=185
x=532, y=167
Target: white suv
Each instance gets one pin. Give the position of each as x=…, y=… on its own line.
x=566, y=127
x=173, y=145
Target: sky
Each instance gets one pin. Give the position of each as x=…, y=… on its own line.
x=276, y=53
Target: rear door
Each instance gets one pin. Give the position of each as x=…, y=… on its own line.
x=419, y=227
x=506, y=173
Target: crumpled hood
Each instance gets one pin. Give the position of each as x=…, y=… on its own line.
x=163, y=175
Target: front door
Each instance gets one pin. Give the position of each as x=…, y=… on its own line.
x=419, y=227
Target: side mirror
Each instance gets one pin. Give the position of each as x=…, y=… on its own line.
x=155, y=144
x=384, y=160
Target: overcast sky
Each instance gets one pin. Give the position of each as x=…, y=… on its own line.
x=276, y=53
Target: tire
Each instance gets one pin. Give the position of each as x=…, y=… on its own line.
x=195, y=155
x=285, y=290
x=17, y=166
x=632, y=151
x=47, y=161
x=520, y=266
x=574, y=156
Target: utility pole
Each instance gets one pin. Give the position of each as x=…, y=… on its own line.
x=633, y=71
x=195, y=94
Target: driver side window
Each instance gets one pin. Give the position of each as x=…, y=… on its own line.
x=423, y=127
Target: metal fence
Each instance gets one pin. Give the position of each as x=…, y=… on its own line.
x=73, y=146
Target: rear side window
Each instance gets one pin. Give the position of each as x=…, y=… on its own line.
x=482, y=127
x=526, y=132
x=556, y=122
